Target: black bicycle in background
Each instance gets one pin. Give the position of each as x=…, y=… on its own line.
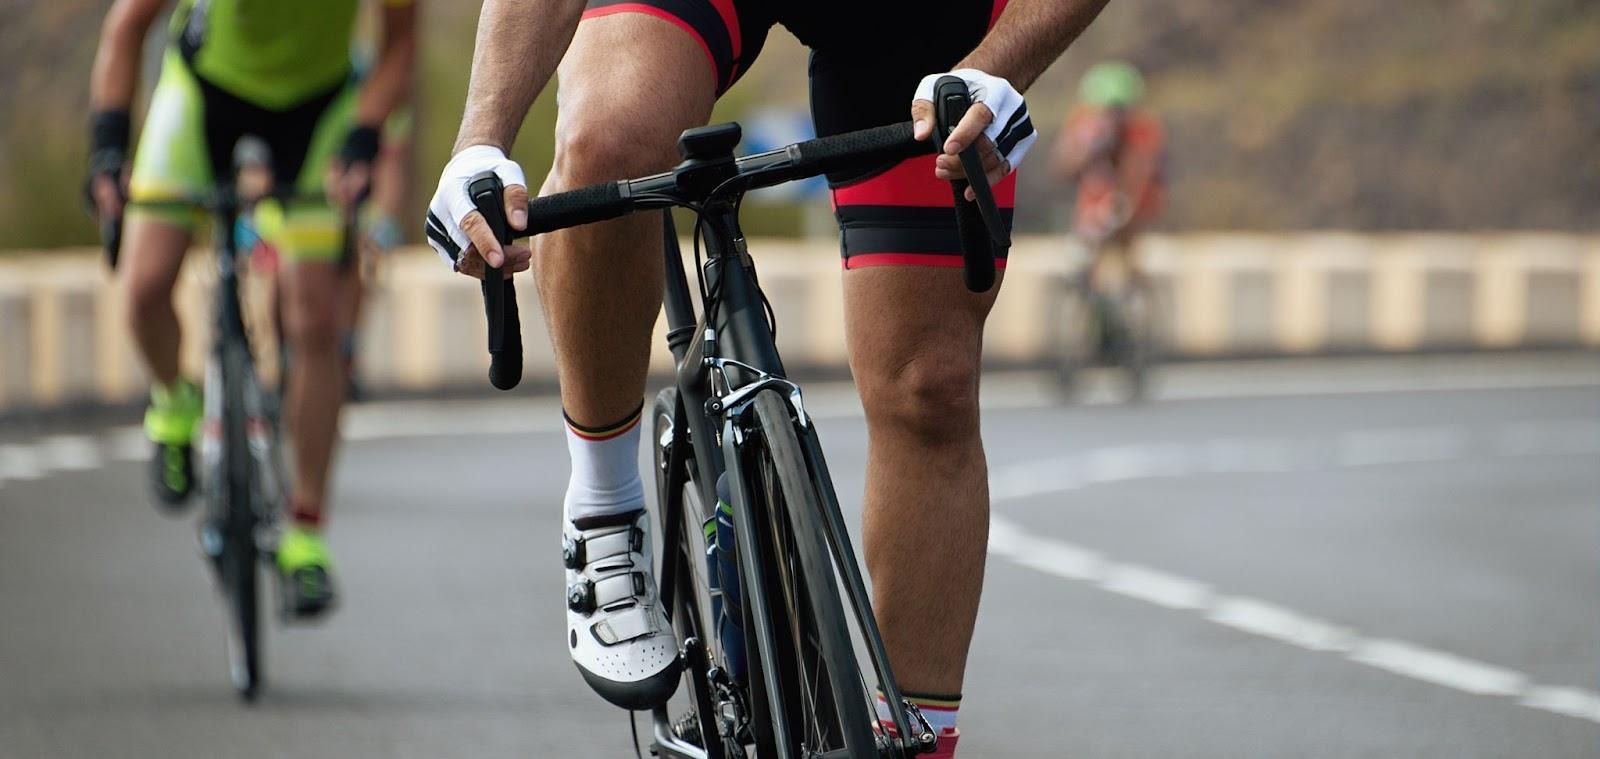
x=756, y=564
x=241, y=472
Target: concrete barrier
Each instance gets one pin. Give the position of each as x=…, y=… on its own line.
x=62, y=338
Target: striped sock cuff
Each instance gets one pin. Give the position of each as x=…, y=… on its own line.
x=605, y=431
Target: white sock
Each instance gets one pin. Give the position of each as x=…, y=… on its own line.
x=605, y=470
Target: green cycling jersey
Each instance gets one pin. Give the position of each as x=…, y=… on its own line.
x=273, y=53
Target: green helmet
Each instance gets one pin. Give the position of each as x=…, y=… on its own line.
x=1112, y=83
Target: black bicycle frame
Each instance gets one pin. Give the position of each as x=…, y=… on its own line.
x=740, y=333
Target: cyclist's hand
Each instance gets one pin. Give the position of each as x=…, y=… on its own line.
x=106, y=188
x=455, y=228
x=998, y=123
x=108, y=193
x=349, y=178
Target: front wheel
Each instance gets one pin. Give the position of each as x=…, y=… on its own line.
x=232, y=518
x=823, y=703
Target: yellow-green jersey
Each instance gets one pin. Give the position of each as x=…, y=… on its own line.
x=274, y=53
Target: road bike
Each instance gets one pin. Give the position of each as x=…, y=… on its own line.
x=757, y=571
x=1104, y=314
x=241, y=473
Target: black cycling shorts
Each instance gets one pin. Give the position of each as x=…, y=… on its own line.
x=867, y=57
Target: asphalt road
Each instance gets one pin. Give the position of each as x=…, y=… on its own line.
x=1392, y=558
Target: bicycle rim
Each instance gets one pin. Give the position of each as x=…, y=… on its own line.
x=824, y=699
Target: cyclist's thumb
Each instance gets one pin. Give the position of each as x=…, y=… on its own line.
x=483, y=239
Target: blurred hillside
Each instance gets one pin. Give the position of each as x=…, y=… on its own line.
x=1361, y=114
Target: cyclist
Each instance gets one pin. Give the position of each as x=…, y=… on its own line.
x=279, y=70
x=633, y=76
x=1115, y=151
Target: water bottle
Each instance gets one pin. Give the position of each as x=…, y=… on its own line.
x=722, y=563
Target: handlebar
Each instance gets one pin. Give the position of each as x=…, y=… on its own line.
x=979, y=222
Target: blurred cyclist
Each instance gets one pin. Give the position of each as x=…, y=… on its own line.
x=1115, y=152
x=281, y=71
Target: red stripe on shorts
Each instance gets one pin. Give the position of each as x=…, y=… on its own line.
x=651, y=10
x=912, y=183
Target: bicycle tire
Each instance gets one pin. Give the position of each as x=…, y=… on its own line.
x=691, y=593
x=1070, y=331
x=240, y=558
x=820, y=672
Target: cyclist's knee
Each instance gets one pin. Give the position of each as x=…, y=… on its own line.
x=602, y=144
x=154, y=254
x=312, y=324
x=933, y=397
x=147, y=298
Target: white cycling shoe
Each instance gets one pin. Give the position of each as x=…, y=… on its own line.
x=617, y=631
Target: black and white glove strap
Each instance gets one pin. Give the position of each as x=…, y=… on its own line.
x=1012, y=130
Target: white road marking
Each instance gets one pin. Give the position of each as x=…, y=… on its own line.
x=1439, y=668
x=70, y=453
x=1275, y=622
x=1157, y=587
x=1571, y=702
x=1132, y=462
x=1405, y=445
x=1051, y=557
x=19, y=462
x=1059, y=558
x=1248, y=456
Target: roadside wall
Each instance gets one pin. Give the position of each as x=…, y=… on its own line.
x=62, y=338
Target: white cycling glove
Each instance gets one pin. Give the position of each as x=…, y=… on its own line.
x=451, y=203
x=1011, y=131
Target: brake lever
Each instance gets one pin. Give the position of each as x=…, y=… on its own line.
x=952, y=101
x=983, y=237
x=499, y=292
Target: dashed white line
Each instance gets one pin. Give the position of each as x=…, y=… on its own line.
x=1570, y=702
x=1157, y=587
x=1061, y=559
x=1439, y=668
x=19, y=462
x=1247, y=455
x=1400, y=446
x=1273, y=621
x=70, y=453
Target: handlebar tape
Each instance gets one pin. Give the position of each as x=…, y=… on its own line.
x=850, y=150
x=584, y=205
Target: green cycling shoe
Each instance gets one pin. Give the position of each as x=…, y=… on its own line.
x=170, y=423
x=306, y=573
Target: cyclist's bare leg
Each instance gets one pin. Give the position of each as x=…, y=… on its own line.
x=155, y=250
x=916, y=337
x=316, y=374
x=600, y=284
